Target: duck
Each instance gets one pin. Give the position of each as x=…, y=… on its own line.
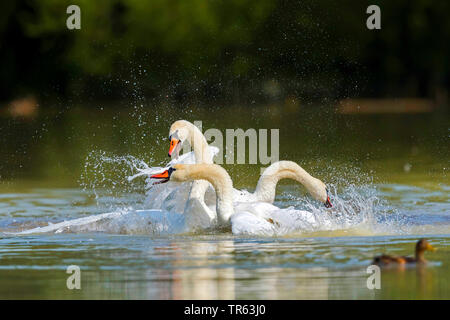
x=421, y=246
x=247, y=218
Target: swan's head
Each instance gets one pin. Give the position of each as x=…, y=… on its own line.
x=320, y=193
x=328, y=202
x=176, y=173
x=178, y=133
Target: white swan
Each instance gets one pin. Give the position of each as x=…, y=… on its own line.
x=187, y=198
x=197, y=213
x=244, y=218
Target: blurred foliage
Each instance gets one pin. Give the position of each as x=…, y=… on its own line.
x=231, y=51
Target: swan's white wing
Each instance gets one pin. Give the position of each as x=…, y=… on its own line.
x=186, y=158
x=243, y=196
x=198, y=215
x=246, y=223
x=128, y=222
x=147, y=172
x=261, y=218
x=260, y=209
x=189, y=158
x=214, y=151
x=55, y=227
x=290, y=220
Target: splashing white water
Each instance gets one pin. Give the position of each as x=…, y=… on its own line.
x=354, y=207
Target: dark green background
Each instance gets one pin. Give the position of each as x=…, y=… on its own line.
x=224, y=51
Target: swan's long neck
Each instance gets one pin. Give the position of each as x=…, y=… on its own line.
x=221, y=181
x=202, y=155
x=267, y=183
x=199, y=145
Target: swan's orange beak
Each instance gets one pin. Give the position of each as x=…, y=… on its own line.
x=164, y=176
x=328, y=202
x=173, y=144
x=431, y=248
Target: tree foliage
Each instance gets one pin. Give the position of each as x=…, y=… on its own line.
x=310, y=48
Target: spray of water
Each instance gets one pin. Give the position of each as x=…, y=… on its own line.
x=357, y=208
x=105, y=176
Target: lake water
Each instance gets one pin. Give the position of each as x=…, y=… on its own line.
x=388, y=174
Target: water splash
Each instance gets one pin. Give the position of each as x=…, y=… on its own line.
x=357, y=209
x=105, y=176
x=122, y=184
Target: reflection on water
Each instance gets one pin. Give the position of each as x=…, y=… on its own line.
x=216, y=267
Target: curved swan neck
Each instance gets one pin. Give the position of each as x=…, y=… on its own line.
x=199, y=145
x=220, y=180
x=196, y=139
x=267, y=183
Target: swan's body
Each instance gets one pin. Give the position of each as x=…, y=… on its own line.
x=244, y=218
x=263, y=218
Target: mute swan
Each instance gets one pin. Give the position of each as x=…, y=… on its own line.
x=246, y=218
x=178, y=198
x=183, y=131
